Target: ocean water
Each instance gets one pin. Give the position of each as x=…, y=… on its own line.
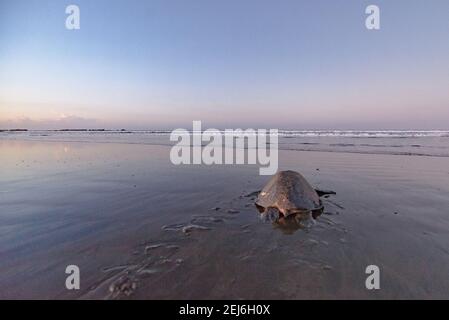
x=419, y=143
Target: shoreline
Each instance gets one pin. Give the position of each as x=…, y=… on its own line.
x=168, y=143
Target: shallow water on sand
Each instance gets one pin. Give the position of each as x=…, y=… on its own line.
x=419, y=143
x=140, y=227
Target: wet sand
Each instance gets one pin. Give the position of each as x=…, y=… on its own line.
x=140, y=227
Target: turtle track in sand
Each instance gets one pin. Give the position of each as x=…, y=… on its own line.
x=157, y=258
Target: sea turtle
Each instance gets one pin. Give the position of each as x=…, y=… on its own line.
x=288, y=193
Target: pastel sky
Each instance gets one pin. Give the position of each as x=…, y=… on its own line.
x=235, y=63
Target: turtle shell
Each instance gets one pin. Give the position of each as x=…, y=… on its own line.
x=289, y=193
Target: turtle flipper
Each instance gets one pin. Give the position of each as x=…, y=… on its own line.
x=324, y=192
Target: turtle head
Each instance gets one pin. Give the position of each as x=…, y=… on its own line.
x=269, y=214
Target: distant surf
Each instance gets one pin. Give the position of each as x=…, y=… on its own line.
x=396, y=142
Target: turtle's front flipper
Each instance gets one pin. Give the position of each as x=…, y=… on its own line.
x=324, y=192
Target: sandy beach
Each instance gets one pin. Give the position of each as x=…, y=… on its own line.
x=140, y=227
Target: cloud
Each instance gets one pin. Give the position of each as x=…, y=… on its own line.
x=63, y=122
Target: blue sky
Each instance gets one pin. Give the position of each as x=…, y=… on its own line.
x=277, y=64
